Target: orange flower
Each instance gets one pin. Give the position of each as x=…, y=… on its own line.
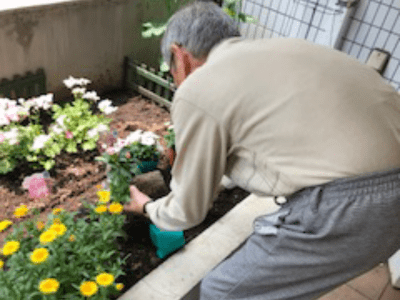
x=115, y=208
x=40, y=225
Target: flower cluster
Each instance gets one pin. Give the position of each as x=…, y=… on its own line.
x=25, y=139
x=66, y=256
x=126, y=158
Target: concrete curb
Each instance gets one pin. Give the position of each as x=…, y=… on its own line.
x=179, y=276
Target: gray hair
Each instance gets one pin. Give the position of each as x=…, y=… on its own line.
x=197, y=27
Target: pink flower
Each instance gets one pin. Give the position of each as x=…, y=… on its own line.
x=69, y=135
x=110, y=151
x=38, y=188
x=2, y=138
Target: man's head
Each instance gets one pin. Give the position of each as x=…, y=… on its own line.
x=191, y=33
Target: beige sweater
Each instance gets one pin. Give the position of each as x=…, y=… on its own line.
x=275, y=115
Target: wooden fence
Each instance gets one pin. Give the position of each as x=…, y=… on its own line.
x=155, y=85
x=30, y=85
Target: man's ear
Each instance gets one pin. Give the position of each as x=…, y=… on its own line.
x=182, y=59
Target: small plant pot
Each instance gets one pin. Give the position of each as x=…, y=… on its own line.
x=147, y=166
x=166, y=242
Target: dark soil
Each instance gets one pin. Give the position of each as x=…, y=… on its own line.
x=76, y=175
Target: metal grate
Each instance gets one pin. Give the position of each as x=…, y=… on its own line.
x=376, y=25
x=30, y=85
x=311, y=20
x=356, y=29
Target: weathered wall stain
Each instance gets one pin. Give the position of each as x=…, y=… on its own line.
x=23, y=28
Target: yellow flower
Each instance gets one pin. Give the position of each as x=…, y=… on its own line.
x=4, y=224
x=40, y=225
x=21, y=211
x=119, y=286
x=104, y=279
x=49, y=286
x=1, y=264
x=57, y=211
x=39, y=255
x=104, y=196
x=72, y=238
x=60, y=229
x=88, y=288
x=56, y=221
x=47, y=237
x=115, y=208
x=10, y=248
x=101, y=209
x=99, y=187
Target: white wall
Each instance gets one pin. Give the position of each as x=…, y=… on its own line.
x=82, y=38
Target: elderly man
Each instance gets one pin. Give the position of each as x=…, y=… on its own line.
x=281, y=117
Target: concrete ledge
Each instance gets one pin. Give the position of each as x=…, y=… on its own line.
x=182, y=272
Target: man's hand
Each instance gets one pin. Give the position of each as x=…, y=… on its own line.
x=138, y=199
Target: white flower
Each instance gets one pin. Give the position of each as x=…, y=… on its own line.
x=79, y=91
x=60, y=120
x=70, y=82
x=134, y=137
x=44, y=101
x=3, y=118
x=57, y=129
x=91, y=96
x=102, y=127
x=12, y=113
x=121, y=143
x=12, y=136
x=110, y=109
x=92, y=132
x=39, y=141
x=148, y=140
x=103, y=104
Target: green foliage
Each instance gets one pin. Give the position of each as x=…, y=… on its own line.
x=85, y=249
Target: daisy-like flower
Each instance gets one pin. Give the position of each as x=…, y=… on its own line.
x=40, y=225
x=1, y=264
x=104, y=196
x=21, y=211
x=104, y=103
x=72, y=238
x=100, y=209
x=49, y=286
x=47, y=237
x=56, y=221
x=39, y=255
x=134, y=136
x=119, y=286
x=4, y=225
x=116, y=208
x=60, y=229
x=10, y=248
x=105, y=279
x=88, y=288
x=57, y=211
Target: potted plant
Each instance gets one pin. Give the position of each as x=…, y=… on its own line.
x=138, y=153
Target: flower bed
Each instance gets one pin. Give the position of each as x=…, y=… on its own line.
x=75, y=178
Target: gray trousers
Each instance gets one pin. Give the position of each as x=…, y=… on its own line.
x=320, y=238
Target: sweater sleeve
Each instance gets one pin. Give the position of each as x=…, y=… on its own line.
x=201, y=145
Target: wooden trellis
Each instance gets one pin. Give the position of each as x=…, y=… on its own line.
x=154, y=85
x=30, y=85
